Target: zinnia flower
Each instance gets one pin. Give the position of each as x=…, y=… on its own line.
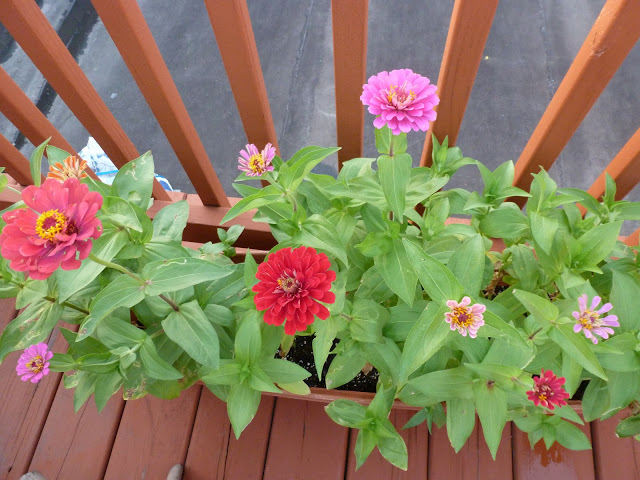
x=71, y=167
x=589, y=321
x=59, y=223
x=465, y=318
x=255, y=163
x=403, y=100
x=33, y=364
x=548, y=390
x=292, y=282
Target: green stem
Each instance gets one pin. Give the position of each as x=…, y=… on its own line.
x=75, y=307
x=533, y=335
x=156, y=334
x=348, y=317
x=14, y=190
x=117, y=267
x=171, y=303
x=286, y=344
x=391, y=142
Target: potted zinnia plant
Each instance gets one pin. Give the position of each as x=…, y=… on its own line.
x=412, y=307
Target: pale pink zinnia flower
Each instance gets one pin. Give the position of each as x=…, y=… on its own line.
x=589, y=321
x=255, y=163
x=403, y=100
x=59, y=222
x=465, y=318
x=33, y=364
x=548, y=390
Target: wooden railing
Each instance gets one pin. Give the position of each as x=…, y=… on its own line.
x=614, y=33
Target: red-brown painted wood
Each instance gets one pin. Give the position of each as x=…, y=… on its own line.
x=473, y=461
x=153, y=436
x=613, y=457
x=20, y=110
x=557, y=462
x=376, y=467
x=125, y=23
x=29, y=27
x=349, y=20
x=76, y=446
x=468, y=32
x=613, y=35
x=14, y=162
x=234, y=35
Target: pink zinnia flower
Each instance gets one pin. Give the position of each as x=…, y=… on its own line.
x=548, y=390
x=465, y=318
x=59, y=223
x=403, y=100
x=33, y=364
x=589, y=321
x=255, y=163
x=292, y=282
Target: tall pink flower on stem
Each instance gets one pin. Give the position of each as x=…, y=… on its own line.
x=54, y=231
x=465, y=318
x=255, y=163
x=33, y=364
x=589, y=321
x=403, y=100
x=548, y=390
x=291, y=283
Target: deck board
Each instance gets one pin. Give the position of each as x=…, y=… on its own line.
x=611, y=453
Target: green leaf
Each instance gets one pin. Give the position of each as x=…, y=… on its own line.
x=356, y=167
x=629, y=427
x=134, y=181
x=113, y=332
x=503, y=375
x=283, y=371
x=543, y=229
x=98, y=363
x=248, y=342
x=394, y=174
x=395, y=268
x=383, y=140
x=228, y=374
x=120, y=213
x=506, y=222
x=542, y=309
x=595, y=400
x=301, y=164
x=35, y=162
x=56, y=155
x=258, y=380
x=567, y=412
x=494, y=326
x=365, y=443
x=524, y=264
x=85, y=387
x=344, y=367
x=597, y=243
x=154, y=366
x=628, y=361
x=625, y=297
x=170, y=275
x=250, y=270
x=394, y=450
x=467, y=264
x=491, y=403
x=325, y=334
x=442, y=385
x=425, y=339
x=297, y=388
x=264, y=196
x=318, y=232
x=368, y=320
x=348, y=413
x=375, y=243
x=384, y=356
x=105, y=387
x=242, y=405
x=190, y=329
x=439, y=283
x=170, y=221
x=461, y=420
x=571, y=437
x=576, y=346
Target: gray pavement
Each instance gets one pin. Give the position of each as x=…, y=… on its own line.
x=530, y=47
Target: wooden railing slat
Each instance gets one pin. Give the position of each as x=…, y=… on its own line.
x=612, y=36
x=30, y=28
x=468, y=32
x=20, y=110
x=129, y=31
x=349, y=19
x=234, y=35
x=15, y=163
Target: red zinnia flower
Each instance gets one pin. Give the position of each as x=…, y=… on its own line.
x=548, y=390
x=59, y=222
x=292, y=282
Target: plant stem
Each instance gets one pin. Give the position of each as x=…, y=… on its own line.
x=75, y=307
x=348, y=317
x=171, y=303
x=391, y=142
x=533, y=335
x=286, y=344
x=13, y=190
x=156, y=334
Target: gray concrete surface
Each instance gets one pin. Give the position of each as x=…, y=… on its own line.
x=530, y=47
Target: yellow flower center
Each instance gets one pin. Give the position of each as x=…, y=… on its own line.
x=256, y=163
x=462, y=317
x=590, y=319
x=288, y=285
x=542, y=397
x=399, y=97
x=49, y=224
x=36, y=364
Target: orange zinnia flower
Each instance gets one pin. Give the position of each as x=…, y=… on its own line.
x=71, y=167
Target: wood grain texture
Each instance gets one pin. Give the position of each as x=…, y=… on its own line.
x=614, y=457
x=129, y=31
x=234, y=35
x=304, y=441
x=349, y=20
x=29, y=27
x=557, y=462
x=376, y=467
x=153, y=436
x=612, y=36
x=14, y=162
x=20, y=110
x=468, y=32
x=473, y=461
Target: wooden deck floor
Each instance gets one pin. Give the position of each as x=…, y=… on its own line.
x=288, y=439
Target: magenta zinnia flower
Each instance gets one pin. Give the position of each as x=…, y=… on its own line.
x=403, y=100
x=548, y=390
x=255, y=163
x=465, y=318
x=59, y=223
x=292, y=282
x=589, y=321
x=33, y=364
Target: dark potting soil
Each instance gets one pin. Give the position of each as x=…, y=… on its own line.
x=301, y=353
